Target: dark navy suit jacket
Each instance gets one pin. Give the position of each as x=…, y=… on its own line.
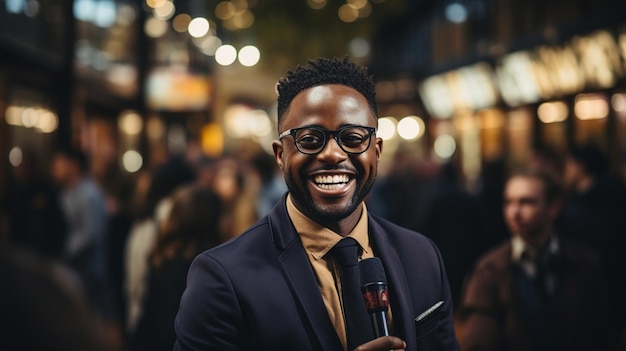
x=259, y=292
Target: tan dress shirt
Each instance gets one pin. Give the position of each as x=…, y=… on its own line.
x=317, y=241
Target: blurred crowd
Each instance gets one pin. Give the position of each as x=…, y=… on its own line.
x=101, y=257
x=119, y=244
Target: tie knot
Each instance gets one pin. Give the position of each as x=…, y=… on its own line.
x=346, y=252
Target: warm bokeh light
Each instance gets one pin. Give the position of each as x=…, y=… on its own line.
x=48, y=121
x=591, y=106
x=618, y=101
x=411, y=127
x=16, y=156
x=165, y=10
x=198, y=27
x=249, y=55
x=41, y=119
x=212, y=139
x=225, y=55
x=348, y=13
x=259, y=123
x=132, y=161
x=155, y=28
x=357, y=4
x=155, y=3
x=181, y=22
x=29, y=117
x=386, y=128
x=243, y=122
x=552, y=112
x=130, y=123
x=225, y=10
x=444, y=146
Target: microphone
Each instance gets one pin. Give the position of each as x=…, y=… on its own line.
x=374, y=289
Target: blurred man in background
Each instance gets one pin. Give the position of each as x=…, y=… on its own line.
x=537, y=291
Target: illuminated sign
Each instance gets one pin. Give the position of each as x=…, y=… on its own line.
x=177, y=90
x=470, y=87
x=594, y=61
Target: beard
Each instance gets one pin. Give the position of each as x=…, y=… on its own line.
x=303, y=199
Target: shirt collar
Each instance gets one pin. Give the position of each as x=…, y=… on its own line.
x=519, y=248
x=317, y=239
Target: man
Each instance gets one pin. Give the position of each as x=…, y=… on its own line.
x=83, y=205
x=536, y=291
x=273, y=287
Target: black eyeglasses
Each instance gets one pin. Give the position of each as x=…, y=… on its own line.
x=312, y=140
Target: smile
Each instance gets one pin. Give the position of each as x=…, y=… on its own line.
x=331, y=182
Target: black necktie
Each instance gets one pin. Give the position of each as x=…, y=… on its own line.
x=358, y=326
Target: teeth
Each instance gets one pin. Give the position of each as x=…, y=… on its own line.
x=329, y=180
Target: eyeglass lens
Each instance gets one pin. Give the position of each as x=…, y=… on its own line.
x=352, y=139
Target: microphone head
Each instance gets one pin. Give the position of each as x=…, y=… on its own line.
x=372, y=271
x=374, y=285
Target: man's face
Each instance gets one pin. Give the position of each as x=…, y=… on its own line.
x=60, y=169
x=330, y=185
x=526, y=211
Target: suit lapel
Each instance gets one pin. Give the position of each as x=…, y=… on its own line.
x=301, y=278
x=400, y=296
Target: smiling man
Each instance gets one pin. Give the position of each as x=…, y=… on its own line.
x=279, y=285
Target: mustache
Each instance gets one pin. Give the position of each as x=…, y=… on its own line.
x=345, y=168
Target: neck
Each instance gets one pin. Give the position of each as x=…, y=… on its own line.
x=73, y=181
x=539, y=243
x=345, y=226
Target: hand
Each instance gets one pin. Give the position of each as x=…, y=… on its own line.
x=384, y=343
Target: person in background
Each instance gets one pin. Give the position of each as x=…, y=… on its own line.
x=83, y=204
x=231, y=178
x=33, y=208
x=272, y=184
x=538, y=290
x=192, y=226
x=154, y=207
x=276, y=286
x=593, y=215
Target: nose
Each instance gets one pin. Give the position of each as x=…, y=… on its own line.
x=332, y=152
x=511, y=210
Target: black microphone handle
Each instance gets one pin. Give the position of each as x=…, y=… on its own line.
x=379, y=323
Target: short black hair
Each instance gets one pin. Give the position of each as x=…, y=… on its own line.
x=325, y=71
x=75, y=154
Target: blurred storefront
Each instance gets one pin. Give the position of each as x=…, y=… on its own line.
x=497, y=80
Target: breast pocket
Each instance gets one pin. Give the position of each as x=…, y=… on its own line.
x=427, y=321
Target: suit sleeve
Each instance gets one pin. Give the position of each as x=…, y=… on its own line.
x=209, y=316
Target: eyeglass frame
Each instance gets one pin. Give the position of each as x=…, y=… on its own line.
x=334, y=133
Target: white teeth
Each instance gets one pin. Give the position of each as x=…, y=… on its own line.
x=329, y=180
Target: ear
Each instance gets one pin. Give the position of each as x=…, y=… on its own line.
x=379, y=148
x=277, y=146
